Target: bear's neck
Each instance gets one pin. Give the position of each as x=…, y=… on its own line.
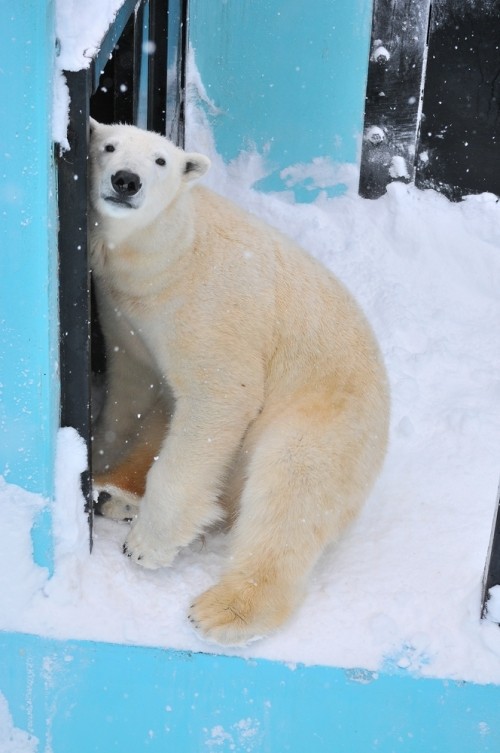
x=163, y=240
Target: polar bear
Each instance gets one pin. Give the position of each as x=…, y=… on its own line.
x=243, y=383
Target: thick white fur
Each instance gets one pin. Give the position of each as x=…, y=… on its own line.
x=260, y=361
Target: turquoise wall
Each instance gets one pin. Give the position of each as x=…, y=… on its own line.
x=288, y=77
x=28, y=258
x=98, y=698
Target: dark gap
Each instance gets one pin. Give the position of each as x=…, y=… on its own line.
x=460, y=133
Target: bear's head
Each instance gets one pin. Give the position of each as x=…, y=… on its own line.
x=136, y=174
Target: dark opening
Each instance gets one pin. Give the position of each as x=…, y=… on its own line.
x=460, y=129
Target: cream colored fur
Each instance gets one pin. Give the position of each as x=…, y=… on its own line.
x=261, y=364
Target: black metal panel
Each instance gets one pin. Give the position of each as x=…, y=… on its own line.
x=460, y=133
x=116, y=97
x=123, y=89
x=110, y=39
x=138, y=58
x=492, y=570
x=177, y=50
x=182, y=71
x=157, y=66
x=395, y=71
x=74, y=287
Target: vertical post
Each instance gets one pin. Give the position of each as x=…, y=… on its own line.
x=181, y=70
x=138, y=56
x=393, y=95
x=74, y=288
x=492, y=569
x=157, y=66
x=177, y=49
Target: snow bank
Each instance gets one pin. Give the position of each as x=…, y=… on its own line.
x=20, y=579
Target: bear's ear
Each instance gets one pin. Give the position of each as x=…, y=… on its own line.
x=93, y=125
x=195, y=165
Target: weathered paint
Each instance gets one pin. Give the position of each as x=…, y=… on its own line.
x=97, y=698
x=288, y=78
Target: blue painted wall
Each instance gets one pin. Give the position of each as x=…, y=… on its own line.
x=28, y=258
x=98, y=698
x=288, y=77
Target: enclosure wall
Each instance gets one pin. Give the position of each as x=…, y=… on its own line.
x=287, y=78
x=28, y=318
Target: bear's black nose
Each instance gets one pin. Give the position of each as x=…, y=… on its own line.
x=125, y=183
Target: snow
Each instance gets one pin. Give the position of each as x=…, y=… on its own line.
x=21, y=580
x=80, y=28
x=398, y=168
x=12, y=739
x=401, y=592
x=493, y=605
x=244, y=735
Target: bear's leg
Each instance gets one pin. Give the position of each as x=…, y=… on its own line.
x=131, y=394
x=307, y=477
x=118, y=492
x=116, y=503
x=184, y=484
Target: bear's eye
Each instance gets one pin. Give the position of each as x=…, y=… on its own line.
x=109, y=148
x=160, y=161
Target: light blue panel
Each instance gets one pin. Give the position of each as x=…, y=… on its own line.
x=28, y=258
x=98, y=698
x=287, y=75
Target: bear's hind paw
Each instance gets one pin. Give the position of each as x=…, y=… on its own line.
x=235, y=614
x=114, y=503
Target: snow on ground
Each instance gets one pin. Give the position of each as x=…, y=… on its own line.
x=402, y=589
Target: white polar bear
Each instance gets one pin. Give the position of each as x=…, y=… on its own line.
x=242, y=379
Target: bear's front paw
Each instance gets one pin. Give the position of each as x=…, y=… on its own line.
x=147, y=548
x=236, y=612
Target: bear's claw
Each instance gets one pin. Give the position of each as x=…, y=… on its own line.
x=147, y=550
